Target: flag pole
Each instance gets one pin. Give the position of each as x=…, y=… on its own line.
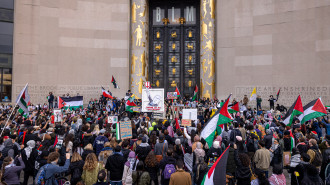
x=13, y=110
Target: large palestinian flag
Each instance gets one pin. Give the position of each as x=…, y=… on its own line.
x=221, y=117
x=295, y=110
x=313, y=109
x=217, y=173
x=23, y=100
x=233, y=108
x=74, y=102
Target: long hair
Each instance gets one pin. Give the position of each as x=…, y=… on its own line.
x=261, y=177
x=151, y=160
x=5, y=162
x=245, y=159
x=67, y=139
x=76, y=157
x=90, y=162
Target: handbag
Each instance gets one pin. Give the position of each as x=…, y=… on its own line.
x=253, y=176
x=160, y=157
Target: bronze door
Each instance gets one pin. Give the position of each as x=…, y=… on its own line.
x=174, y=45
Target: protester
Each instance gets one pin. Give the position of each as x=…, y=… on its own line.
x=141, y=176
x=91, y=169
x=115, y=164
x=75, y=168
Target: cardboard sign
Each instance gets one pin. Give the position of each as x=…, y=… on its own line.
x=112, y=119
x=57, y=115
x=125, y=130
x=186, y=122
x=172, y=95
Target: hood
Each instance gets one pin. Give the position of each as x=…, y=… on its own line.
x=8, y=143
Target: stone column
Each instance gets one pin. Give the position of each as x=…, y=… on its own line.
x=139, y=46
x=207, y=48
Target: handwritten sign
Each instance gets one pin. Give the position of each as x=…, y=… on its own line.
x=136, y=109
x=190, y=114
x=125, y=130
x=172, y=95
x=186, y=122
x=112, y=119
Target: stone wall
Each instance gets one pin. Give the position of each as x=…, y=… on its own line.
x=71, y=46
x=273, y=44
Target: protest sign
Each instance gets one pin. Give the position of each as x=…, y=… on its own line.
x=57, y=115
x=153, y=100
x=125, y=130
x=136, y=109
x=172, y=95
x=190, y=114
x=186, y=122
x=112, y=119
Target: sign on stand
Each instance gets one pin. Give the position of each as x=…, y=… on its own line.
x=112, y=119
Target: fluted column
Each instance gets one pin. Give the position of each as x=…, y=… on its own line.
x=207, y=48
x=139, y=46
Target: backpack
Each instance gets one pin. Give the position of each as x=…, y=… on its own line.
x=40, y=177
x=317, y=159
x=168, y=171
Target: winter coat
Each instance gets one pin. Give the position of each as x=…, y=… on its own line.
x=180, y=177
x=90, y=176
x=11, y=173
x=142, y=151
x=99, y=144
x=115, y=164
x=143, y=179
x=295, y=160
x=277, y=156
x=231, y=166
x=76, y=167
x=268, y=141
x=242, y=172
x=52, y=169
x=161, y=148
x=262, y=159
x=9, y=149
x=153, y=172
x=30, y=163
x=127, y=176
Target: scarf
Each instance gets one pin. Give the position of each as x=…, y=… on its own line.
x=131, y=163
x=10, y=165
x=28, y=151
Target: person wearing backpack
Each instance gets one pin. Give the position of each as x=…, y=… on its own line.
x=180, y=177
x=47, y=173
x=141, y=176
x=315, y=154
x=200, y=169
x=75, y=168
x=129, y=167
x=167, y=166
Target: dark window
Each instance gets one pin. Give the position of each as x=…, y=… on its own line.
x=8, y=4
x=6, y=15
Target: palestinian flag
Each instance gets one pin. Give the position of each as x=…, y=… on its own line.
x=177, y=91
x=217, y=173
x=195, y=94
x=130, y=104
x=313, y=109
x=233, y=108
x=23, y=100
x=278, y=94
x=113, y=81
x=292, y=140
x=295, y=110
x=106, y=93
x=74, y=102
x=327, y=107
x=221, y=117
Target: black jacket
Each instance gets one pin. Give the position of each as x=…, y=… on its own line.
x=268, y=139
x=29, y=137
x=85, y=153
x=30, y=163
x=142, y=151
x=115, y=164
x=76, y=167
x=278, y=157
x=231, y=166
x=242, y=172
x=125, y=153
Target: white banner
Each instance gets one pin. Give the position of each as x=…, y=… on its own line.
x=190, y=114
x=153, y=100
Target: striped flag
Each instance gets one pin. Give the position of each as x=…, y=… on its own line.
x=217, y=173
x=292, y=140
x=113, y=81
x=23, y=100
x=278, y=94
x=295, y=110
x=195, y=94
x=106, y=93
x=313, y=109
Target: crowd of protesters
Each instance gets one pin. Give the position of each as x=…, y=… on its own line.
x=83, y=148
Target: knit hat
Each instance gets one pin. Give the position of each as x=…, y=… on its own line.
x=216, y=144
x=131, y=154
x=178, y=142
x=238, y=138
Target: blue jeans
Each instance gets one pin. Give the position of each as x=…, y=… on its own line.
x=116, y=183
